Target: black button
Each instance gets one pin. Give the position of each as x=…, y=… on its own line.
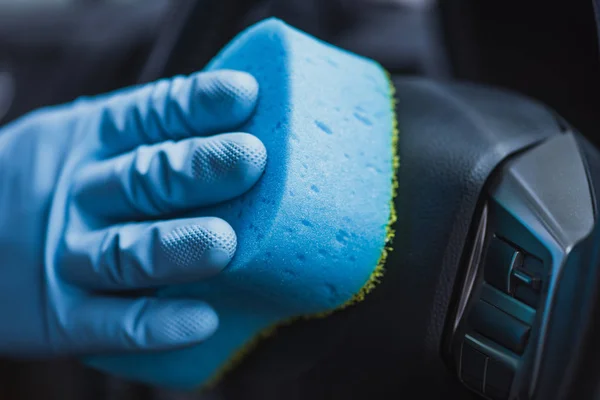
x=472, y=367
x=527, y=295
x=499, y=326
x=533, y=266
x=523, y=278
x=508, y=304
x=529, y=274
x=498, y=380
x=527, y=281
x=500, y=260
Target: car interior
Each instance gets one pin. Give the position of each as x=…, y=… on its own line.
x=492, y=290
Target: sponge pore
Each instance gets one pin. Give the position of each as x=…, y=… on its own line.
x=312, y=231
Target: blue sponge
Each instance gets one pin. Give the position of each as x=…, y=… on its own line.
x=313, y=231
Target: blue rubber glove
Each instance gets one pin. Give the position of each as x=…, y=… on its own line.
x=89, y=196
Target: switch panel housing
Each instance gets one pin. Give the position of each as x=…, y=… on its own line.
x=530, y=223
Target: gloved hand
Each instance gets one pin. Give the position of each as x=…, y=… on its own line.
x=88, y=195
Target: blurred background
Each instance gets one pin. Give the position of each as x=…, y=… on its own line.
x=55, y=50
x=52, y=51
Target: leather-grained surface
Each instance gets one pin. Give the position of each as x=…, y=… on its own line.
x=452, y=136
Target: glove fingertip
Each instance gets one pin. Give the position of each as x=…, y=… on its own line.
x=185, y=322
x=250, y=152
x=228, y=94
x=203, y=248
x=237, y=158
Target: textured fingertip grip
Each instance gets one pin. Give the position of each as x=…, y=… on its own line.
x=183, y=322
x=227, y=94
x=218, y=158
x=191, y=246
